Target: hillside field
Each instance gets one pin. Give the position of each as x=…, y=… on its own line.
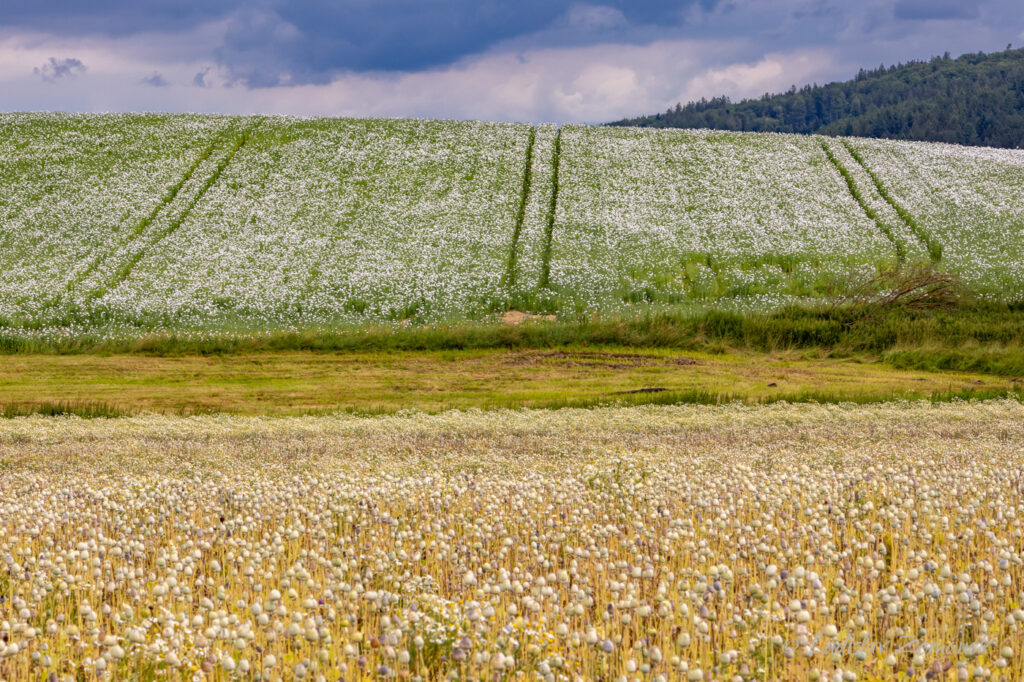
x=125, y=225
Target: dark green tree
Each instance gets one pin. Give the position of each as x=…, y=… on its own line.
x=976, y=99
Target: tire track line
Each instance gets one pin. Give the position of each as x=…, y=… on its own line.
x=126, y=268
x=145, y=222
x=549, y=230
x=524, y=197
x=851, y=184
x=927, y=240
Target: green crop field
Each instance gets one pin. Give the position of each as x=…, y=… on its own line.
x=126, y=225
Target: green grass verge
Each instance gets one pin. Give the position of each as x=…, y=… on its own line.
x=698, y=397
x=977, y=337
x=87, y=410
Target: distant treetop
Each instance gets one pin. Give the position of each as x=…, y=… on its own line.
x=976, y=99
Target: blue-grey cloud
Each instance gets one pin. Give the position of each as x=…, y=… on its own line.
x=55, y=69
x=156, y=80
x=199, y=80
x=936, y=9
x=375, y=44
x=111, y=17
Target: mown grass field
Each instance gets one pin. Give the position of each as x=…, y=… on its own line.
x=293, y=383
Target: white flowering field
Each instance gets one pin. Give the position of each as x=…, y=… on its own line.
x=139, y=223
x=318, y=221
x=967, y=198
x=73, y=188
x=790, y=542
x=678, y=215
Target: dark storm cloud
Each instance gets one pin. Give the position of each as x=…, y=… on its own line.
x=55, y=69
x=313, y=41
x=273, y=42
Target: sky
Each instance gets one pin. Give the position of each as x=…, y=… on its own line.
x=523, y=60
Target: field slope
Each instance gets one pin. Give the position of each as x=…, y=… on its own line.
x=125, y=226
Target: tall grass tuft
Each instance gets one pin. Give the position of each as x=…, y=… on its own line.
x=85, y=409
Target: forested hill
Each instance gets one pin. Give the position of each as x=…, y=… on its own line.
x=976, y=99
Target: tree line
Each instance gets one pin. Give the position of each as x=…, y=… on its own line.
x=975, y=99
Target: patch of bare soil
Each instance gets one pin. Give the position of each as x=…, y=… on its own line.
x=514, y=317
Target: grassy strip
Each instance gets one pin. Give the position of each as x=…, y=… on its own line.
x=86, y=410
x=700, y=397
x=981, y=359
x=126, y=268
x=980, y=337
x=101, y=410
x=901, y=254
x=549, y=229
x=524, y=196
x=165, y=201
x=924, y=236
